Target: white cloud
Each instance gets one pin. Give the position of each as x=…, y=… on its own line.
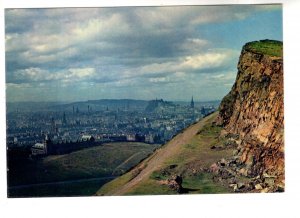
x=119, y=47
x=39, y=75
x=196, y=63
x=102, y=28
x=219, y=76
x=66, y=33
x=170, y=78
x=52, y=30
x=204, y=61
x=81, y=72
x=159, y=79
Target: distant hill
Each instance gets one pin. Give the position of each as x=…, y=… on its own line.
x=158, y=105
x=101, y=104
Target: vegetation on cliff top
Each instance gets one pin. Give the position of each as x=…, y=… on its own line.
x=268, y=47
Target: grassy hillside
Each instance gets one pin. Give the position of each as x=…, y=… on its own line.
x=190, y=159
x=96, y=162
x=80, y=188
x=268, y=47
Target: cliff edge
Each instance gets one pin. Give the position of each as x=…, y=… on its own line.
x=238, y=149
x=252, y=112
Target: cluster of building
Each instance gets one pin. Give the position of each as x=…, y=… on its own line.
x=57, y=132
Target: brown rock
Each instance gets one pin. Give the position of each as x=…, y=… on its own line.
x=214, y=168
x=258, y=187
x=240, y=185
x=243, y=171
x=253, y=110
x=234, y=187
x=223, y=162
x=265, y=190
x=175, y=183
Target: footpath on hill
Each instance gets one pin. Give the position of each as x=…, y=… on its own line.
x=156, y=161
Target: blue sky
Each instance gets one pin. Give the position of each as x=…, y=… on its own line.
x=72, y=54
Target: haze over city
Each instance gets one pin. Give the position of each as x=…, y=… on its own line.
x=73, y=54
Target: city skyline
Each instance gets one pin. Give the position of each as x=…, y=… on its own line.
x=78, y=54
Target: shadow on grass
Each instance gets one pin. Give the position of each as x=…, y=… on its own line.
x=187, y=190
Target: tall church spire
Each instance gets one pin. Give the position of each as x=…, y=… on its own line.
x=192, y=102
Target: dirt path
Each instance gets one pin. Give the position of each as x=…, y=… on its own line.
x=125, y=162
x=159, y=157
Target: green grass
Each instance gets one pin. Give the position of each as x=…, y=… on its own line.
x=195, y=154
x=210, y=131
x=151, y=187
x=268, y=47
x=95, y=162
x=114, y=184
x=84, y=188
x=198, y=184
x=157, y=175
x=198, y=149
x=203, y=184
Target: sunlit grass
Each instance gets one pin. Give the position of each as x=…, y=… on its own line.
x=268, y=47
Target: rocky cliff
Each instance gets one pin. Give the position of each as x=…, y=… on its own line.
x=238, y=149
x=252, y=112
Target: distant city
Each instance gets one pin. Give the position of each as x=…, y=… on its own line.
x=45, y=129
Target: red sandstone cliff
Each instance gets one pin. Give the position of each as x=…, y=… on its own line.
x=253, y=110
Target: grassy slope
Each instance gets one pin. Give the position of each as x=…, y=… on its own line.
x=87, y=163
x=83, y=188
x=192, y=156
x=268, y=47
x=93, y=162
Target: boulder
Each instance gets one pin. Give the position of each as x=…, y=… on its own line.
x=258, y=187
x=280, y=188
x=270, y=181
x=175, y=183
x=214, y=168
x=234, y=187
x=265, y=190
x=223, y=162
x=243, y=172
x=235, y=152
x=240, y=185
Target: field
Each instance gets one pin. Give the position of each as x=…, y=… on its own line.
x=78, y=173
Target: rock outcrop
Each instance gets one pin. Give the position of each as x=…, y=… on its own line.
x=252, y=111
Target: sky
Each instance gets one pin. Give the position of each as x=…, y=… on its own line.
x=174, y=53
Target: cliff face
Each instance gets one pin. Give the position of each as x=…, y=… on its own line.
x=252, y=111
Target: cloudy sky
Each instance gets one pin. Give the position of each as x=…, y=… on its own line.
x=72, y=54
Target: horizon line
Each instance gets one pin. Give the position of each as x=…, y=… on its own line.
x=74, y=101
